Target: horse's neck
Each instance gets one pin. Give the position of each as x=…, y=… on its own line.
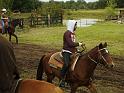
x=85, y=67
x=86, y=63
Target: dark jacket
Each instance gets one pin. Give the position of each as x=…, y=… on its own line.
x=8, y=69
x=68, y=42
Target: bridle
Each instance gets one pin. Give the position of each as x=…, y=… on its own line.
x=101, y=56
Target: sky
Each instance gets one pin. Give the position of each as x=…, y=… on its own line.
x=69, y=0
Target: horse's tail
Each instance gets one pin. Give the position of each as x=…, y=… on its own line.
x=40, y=69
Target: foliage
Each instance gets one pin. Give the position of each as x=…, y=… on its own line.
x=50, y=8
x=111, y=3
x=29, y=5
x=101, y=4
x=6, y=4
x=109, y=11
x=25, y=5
x=120, y=3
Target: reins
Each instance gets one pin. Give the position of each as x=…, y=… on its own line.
x=101, y=56
x=92, y=59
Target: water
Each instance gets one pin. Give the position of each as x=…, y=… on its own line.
x=84, y=22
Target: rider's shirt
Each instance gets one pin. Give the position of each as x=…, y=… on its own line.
x=69, y=44
x=3, y=17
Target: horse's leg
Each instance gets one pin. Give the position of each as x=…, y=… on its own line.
x=50, y=77
x=15, y=37
x=10, y=37
x=74, y=87
x=92, y=88
x=40, y=69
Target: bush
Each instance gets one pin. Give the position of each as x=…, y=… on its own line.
x=109, y=11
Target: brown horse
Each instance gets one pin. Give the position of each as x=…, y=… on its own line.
x=10, y=28
x=83, y=71
x=36, y=86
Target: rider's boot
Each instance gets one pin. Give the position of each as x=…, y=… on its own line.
x=62, y=83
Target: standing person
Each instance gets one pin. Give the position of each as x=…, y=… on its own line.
x=3, y=18
x=8, y=70
x=3, y=13
x=69, y=47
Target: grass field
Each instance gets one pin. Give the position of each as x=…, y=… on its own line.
x=98, y=14
x=109, y=32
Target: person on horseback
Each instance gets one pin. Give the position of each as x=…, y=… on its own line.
x=3, y=19
x=9, y=74
x=69, y=47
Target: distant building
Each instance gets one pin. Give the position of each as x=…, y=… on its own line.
x=121, y=13
x=121, y=16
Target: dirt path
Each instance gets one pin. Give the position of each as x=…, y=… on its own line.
x=107, y=81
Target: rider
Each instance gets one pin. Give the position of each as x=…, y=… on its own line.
x=69, y=47
x=9, y=74
x=3, y=18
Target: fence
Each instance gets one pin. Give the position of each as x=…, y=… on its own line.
x=41, y=20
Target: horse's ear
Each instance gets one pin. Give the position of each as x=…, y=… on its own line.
x=105, y=44
x=100, y=46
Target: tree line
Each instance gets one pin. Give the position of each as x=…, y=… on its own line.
x=29, y=5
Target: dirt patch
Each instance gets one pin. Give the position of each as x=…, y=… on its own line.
x=107, y=81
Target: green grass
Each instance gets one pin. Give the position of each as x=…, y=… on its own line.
x=44, y=36
x=109, y=32
x=99, y=14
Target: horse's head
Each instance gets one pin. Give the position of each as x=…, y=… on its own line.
x=101, y=55
x=105, y=57
x=16, y=22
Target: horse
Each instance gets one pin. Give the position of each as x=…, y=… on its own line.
x=82, y=75
x=10, y=28
x=36, y=86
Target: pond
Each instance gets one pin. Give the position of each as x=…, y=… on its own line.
x=84, y=22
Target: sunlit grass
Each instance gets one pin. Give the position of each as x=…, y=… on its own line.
x=111, y=33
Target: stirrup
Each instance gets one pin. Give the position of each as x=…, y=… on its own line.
x=62, y=83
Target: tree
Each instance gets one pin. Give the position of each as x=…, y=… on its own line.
x=25, y=5
x=120, y=3
x=6, y=4
x=92, y=5
x=110, y=9
x=111, y=3
x=81, y=4
x=102, y=4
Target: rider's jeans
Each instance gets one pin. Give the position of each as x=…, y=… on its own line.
x=67, y=60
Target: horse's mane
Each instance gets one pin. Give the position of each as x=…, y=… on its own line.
x=87, y=52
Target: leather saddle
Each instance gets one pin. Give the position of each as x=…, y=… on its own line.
x=56, y=60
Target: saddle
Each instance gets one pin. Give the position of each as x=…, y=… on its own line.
x=56, y=60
